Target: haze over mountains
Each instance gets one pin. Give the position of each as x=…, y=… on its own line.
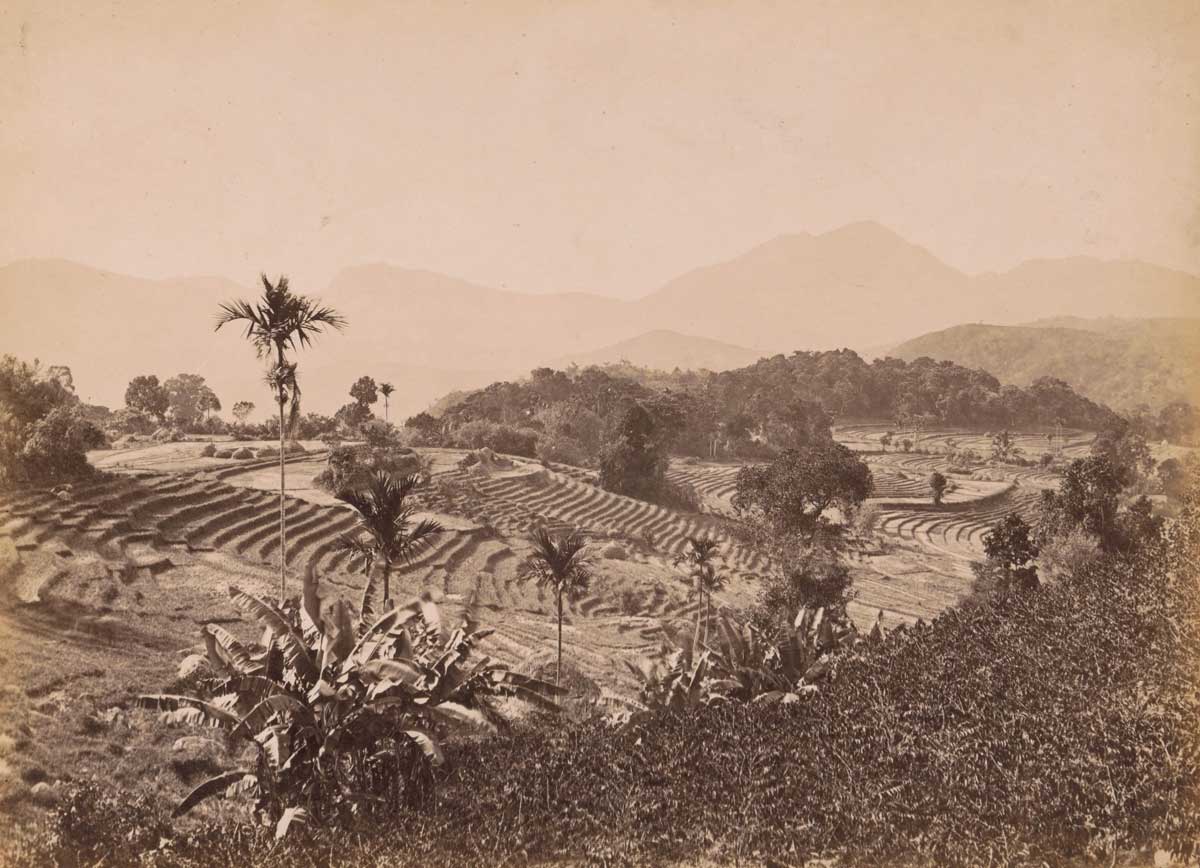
x=860, y=286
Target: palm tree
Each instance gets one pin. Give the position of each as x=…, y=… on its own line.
x=384, y=530
x=386, y=390
x=561, y=565
x=699, y=556
x=279, y=321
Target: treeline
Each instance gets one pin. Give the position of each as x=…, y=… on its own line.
x=754, y=412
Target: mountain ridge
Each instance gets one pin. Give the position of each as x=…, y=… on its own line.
x=860, y=286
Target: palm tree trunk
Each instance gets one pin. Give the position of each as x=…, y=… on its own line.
x=707, y=614
x=558, y=668
x=387, y=575
x=385, y=408
x=282, y=498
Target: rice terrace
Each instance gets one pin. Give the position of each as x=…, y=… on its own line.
x=698, y=522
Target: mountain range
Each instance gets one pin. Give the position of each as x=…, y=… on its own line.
x=859, y=286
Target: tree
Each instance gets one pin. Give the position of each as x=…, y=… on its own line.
x=145, y=395
x=242, y=411
x=423, y=422
x=886, y=440
x=44, y=431
x=386, y=390
x=363, y=391
x=786, y=501
x=385, y=531
x=1010, y=550
x=699, y=557
x=562, y=566
x=634, y=463
x=1088, y=497
x=937, y=485
x=1173, y=477
x=351, y=417
x=280, y=321
x=191, y=400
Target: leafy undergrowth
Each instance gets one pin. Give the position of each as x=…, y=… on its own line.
x=1048, y=727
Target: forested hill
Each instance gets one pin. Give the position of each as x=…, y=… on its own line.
x=1121, y=362
x=777, y=400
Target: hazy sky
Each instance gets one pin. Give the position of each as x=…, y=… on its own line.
x=599, y=146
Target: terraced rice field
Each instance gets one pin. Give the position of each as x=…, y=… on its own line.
x=715, y=483
x=143, y=543
x=166, y=545
x=866, y=437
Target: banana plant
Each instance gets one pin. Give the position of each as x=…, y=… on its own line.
x=346, y=714
x=740, y=665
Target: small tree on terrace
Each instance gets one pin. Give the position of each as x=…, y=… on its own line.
x=386, y=390
x=385, y=530
x=699, y=557
x=562, y=566
x=1004, y=448
x=1010, y=551
x=937, y=485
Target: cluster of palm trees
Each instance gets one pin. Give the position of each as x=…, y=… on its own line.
x=387, y=530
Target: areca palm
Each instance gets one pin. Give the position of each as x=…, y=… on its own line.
x=562, y=566
x=385, y=530
x=386, y=390
x=281, y=321
x=699, y=556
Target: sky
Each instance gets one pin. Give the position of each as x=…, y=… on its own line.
x=591, y=146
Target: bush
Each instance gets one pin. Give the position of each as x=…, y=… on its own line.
x=126, y=421
x=351, y=467
x=56, y=446
x=243, y=453
x=209, y=451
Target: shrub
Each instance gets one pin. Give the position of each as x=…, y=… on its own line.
x=209, y=451
x=243, y=453
x=351, y=467
x=614, y=552
x=127, y=421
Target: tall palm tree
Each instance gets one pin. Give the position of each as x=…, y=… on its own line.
x=562, y=566
x=700, y=558
x=277, y=322
x=386, y=390
x=385, y=531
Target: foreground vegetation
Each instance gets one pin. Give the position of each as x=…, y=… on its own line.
x=1036, y=727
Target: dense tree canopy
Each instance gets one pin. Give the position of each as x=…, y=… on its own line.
x=790, y=496
x=778, y=403
x=146, y=395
